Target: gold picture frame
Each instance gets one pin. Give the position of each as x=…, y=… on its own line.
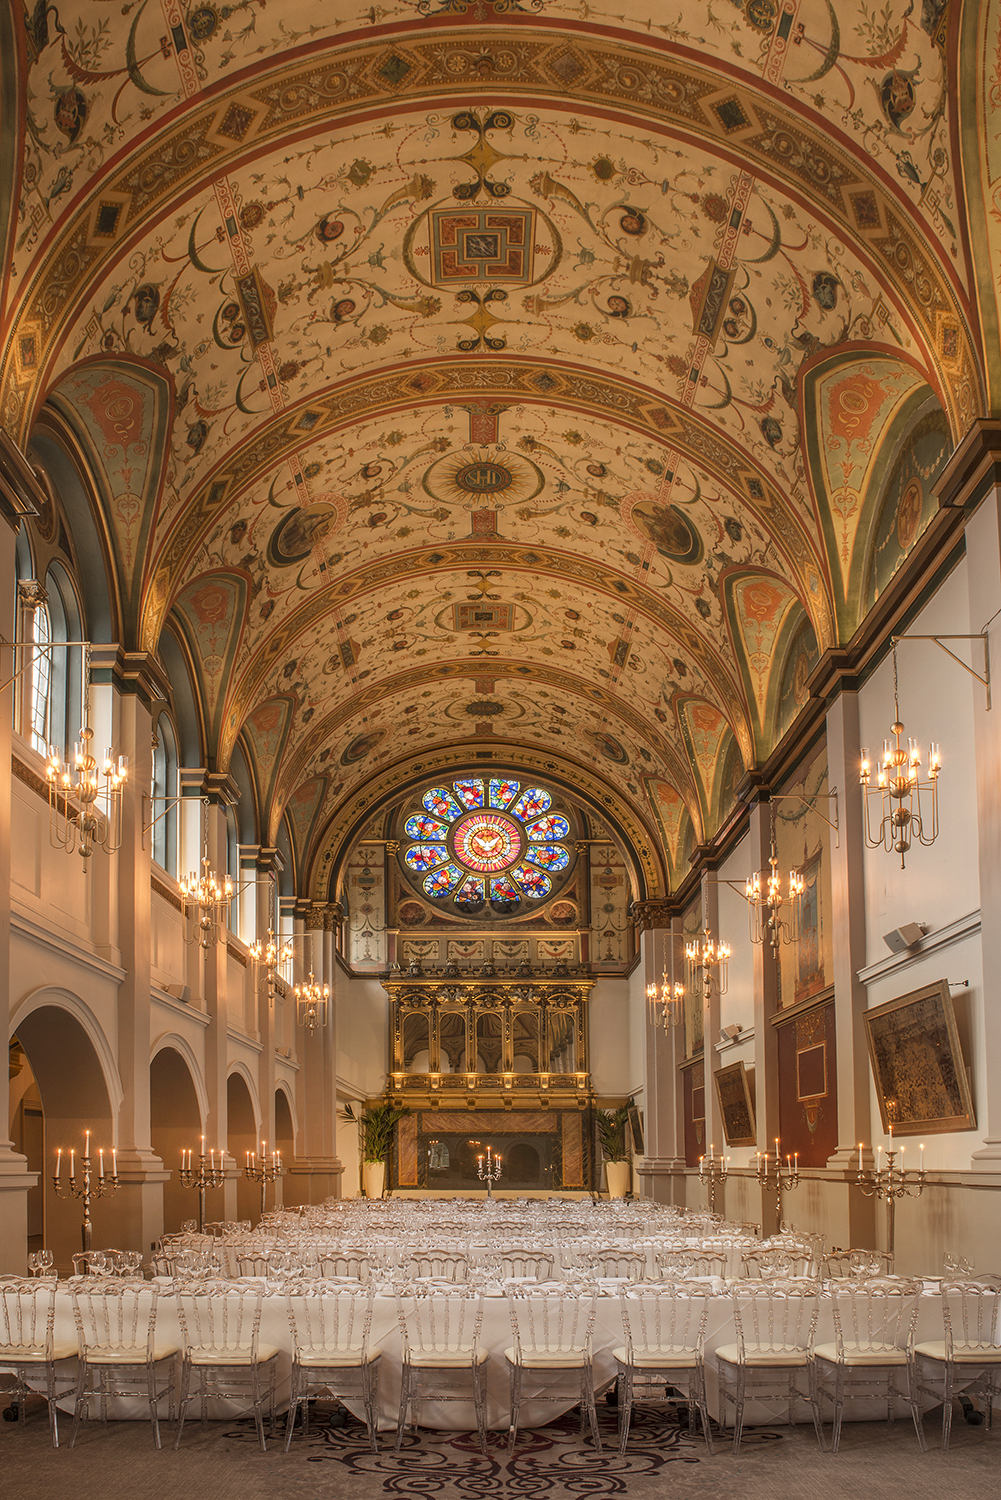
x=736, y=1105
x=917, y=1063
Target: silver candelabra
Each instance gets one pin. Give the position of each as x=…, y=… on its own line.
x=887, y=1184
x=488, y=1170
x=713, y=1172
x=208, y=1174
x=268, y=1169
x=87, y=1188
x=773, y=1177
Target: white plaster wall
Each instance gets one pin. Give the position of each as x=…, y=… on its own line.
x=612, y=1068
x=362, y=1033
x=737, y=1005
x=941, y=883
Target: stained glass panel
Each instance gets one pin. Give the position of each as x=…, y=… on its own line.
x=420, y=826
x=471, y=892
x=533, y=882
x=503, y=791
x=469, y=793
x=549, y=857
x=531, y=803
x=551, y=827
x=501, y=889
x=439, y=800
x=442, y=881
x=426, y=856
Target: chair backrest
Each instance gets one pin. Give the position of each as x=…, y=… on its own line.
x=270, y=1264
x=612, y=1262
x=116, y=1317
x=441, y=1265
x=442, y=1323
x=525, y=1263
x=680, y=1265
x=775, y=1319
x=664, y=1321
x=777, y=1263
x=552, y=1322
x=879, y=1316
x=842, y=1265
x=324, y=1320
x=971, y=1315
x=344, y=1262
x=216, y=1317
x=27, y=1314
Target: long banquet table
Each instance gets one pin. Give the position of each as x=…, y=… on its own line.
x=496, y=1337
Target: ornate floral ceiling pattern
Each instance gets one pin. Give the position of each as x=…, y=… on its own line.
x=458, y=374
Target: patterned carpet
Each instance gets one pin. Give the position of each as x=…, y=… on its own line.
x=547, y=1462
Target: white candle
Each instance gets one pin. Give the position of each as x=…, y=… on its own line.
x=890, y=1128
x=114, y=1161
x=860, y=1156
x=59, y=1161
x=100, y=1156
x=87, y=1149
x=72, y=1164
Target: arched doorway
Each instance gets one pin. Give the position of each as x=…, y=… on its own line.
x=242, y=1137
x=73, y=1097
x=285, y=1143
x=175, y=1125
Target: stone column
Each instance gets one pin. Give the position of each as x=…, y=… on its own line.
x=19, y=490
x=663, y=1160
x=855, y=1214
x=133, y=1217
x=765, y=986
x=317, y=1170
x=972, y=480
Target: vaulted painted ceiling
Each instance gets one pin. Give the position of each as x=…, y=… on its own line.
x=484, y=374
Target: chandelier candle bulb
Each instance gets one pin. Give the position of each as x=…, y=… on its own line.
x=59, y=1162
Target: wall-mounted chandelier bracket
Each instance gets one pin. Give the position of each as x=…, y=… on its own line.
x=985, y=679
x=168, y=803
x=35, y=651
x=812, y=802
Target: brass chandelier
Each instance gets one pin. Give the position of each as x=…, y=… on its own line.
x=907, y=806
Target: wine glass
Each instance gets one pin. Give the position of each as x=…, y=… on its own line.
x=39, y=1262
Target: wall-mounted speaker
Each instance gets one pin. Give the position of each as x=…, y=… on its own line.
x=902, y=938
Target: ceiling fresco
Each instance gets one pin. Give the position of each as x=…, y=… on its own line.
x=498, y=375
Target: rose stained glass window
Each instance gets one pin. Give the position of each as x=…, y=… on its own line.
x=487, y=845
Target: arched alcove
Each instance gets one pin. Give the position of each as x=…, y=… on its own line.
x=175, y=1126
x=284, y=1133
x=242, y=1137
x=74, y=1098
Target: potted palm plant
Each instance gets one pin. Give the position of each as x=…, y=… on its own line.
x=378, y=1124
x=611, y=1125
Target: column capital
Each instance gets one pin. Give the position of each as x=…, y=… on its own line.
x=218, y=787
x=974, y=466
x=136, y=673
x=655, y=913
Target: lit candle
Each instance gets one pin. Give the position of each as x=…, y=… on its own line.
x=712, y=1151
x=100, y=1169
x=479, y=1161
x=796, y=1161
x=72, y=1164
x=248, y=1158
x=114, y=1161
x=701, y=1160
x=203, y=1145
x=59, y=1161
x=891, y=1132
x=921, y=1163
x=87, y=1148
x=860, y=1156
x=497, y=1161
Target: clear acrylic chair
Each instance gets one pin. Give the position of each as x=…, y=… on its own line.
x=344, y=1262
x=119, y=1355
x=29, y=1349
x=552, y=1354
x=681, y=1265
x=662, y=1362
x=967, y=1358
x=777, y=1263
x=627, y=1264
x=524, y=1263
x=438, y=1265
x=856, y=1265
x=222, y=1354
x=873, y=1334
x=770, y=1360
x=443, y=1358
x=331, y=1354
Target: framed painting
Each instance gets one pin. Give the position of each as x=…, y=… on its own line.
x=736, y=1105
x=917, y=1063
x=636, y=1130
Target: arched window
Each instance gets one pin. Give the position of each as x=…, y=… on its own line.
x=164, y=793
x=233, y=865
x=66, y=666
x=40, y=680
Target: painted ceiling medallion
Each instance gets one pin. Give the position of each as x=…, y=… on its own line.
x=488, y=477
x=488, y=842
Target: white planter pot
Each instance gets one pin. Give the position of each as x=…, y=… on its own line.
x=374, y=1178
x=619, y=1176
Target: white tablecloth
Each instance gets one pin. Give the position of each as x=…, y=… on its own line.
x=496, y=1337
